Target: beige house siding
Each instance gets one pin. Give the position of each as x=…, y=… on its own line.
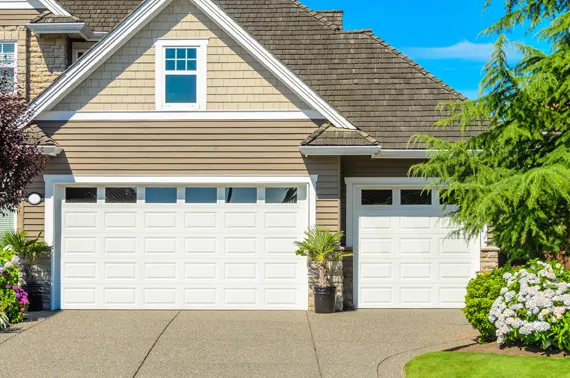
x=17, y=16
x=127, y=80
x=206, y=148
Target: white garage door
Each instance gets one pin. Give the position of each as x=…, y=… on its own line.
x=405, y=258
x=183, y=247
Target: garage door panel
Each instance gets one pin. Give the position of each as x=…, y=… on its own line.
x=215, y=256
x=406, y=259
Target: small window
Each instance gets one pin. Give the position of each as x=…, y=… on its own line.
x=120, y=195
x=160, y=195
x=182, y=81
x=376, y=197
x=241, y=195
x=81, y=195
x=416, y=197
x=281, y=195
x=201, y=195
x=8, y=66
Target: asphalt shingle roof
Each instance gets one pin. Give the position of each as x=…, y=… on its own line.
x=101, y=15
x=377, y=88
x=49, y=18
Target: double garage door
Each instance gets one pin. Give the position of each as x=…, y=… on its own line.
x=180, y=247
x=405, y=257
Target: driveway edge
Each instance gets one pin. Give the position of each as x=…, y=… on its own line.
x=393, y=366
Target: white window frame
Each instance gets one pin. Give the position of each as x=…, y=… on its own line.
x=76, y=51
x=15, y=63
x=201, y=46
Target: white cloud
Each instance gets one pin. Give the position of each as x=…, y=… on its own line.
x=464, y=50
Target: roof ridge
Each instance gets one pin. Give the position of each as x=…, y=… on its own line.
x=317, y=133
x=321, y=130
x=413, y=63
x=45, y=14
x=40, y=16
x=319, y=17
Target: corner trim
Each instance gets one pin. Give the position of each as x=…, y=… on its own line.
x=339, y=150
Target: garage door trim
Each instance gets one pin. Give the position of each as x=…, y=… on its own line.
x=352, y=186
x=55, y=189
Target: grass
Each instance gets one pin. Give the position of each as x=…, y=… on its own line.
x=481, y=365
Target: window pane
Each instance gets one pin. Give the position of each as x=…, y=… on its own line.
x=241, y=195
x=191, y=65
x=170, y=65
x=160, y=195
x=376, y=197
x=191, y=54
x=7, y=74
x=81, y=195
x=170, y=53
x=180, y=53
x=180, y=89
x=280, y=195
x=120, y=195
x=416, y=197
x=180, y=65
x=201, y=195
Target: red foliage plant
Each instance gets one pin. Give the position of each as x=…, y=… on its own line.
x=21, y=158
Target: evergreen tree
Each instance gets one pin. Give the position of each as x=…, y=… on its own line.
x=514, y=176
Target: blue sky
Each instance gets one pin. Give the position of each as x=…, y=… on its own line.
x=443, y=36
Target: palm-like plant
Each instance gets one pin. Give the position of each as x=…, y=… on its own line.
x=322, y=246
x=29, y=250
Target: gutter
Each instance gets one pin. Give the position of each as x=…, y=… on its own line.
x=339, y=150
x=66, y=28
x=51, y=150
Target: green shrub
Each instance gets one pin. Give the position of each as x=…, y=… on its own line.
x=481, y=293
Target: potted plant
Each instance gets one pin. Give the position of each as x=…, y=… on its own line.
x=30, y=251
x=322, y=247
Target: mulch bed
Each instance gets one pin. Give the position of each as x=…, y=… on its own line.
x=520, y=350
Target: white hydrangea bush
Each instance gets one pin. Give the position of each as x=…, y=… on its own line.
x=534, y=306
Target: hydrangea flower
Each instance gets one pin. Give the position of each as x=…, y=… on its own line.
x=532, y=300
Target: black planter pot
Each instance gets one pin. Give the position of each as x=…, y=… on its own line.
x=35, y=296
x=325, y=299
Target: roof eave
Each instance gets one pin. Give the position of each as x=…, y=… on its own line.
x=69, y=28
x=339, y=150
x=51, y=150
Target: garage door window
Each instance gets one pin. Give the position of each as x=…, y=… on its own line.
x=377, y=197
x=120, y=195
x=241, y=195
x=281, y=195
x=160, y=195
x=81, y=195
x=416, y=197
x=201, y=195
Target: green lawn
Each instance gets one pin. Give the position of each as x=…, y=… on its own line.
x=480, y=365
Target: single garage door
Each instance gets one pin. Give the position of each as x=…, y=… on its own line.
x=175, y=247
x=405, y=258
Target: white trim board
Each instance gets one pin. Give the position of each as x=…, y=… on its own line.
x=339, y=150
x=55, y=184
x=209, y=115
x=52, y=5
x=138, y=19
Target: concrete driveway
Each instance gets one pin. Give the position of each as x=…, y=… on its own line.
x=364, y=343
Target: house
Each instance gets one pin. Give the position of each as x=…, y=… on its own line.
x=194, y=141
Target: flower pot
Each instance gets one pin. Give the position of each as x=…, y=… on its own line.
x=325, y=298
x=35, y=296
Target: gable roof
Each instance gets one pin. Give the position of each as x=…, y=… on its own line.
x=66, y=82
x=368, y=82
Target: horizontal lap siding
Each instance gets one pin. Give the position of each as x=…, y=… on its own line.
x=17, y=16
x=199, y=148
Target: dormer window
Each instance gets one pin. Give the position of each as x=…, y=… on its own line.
x=181, y=74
